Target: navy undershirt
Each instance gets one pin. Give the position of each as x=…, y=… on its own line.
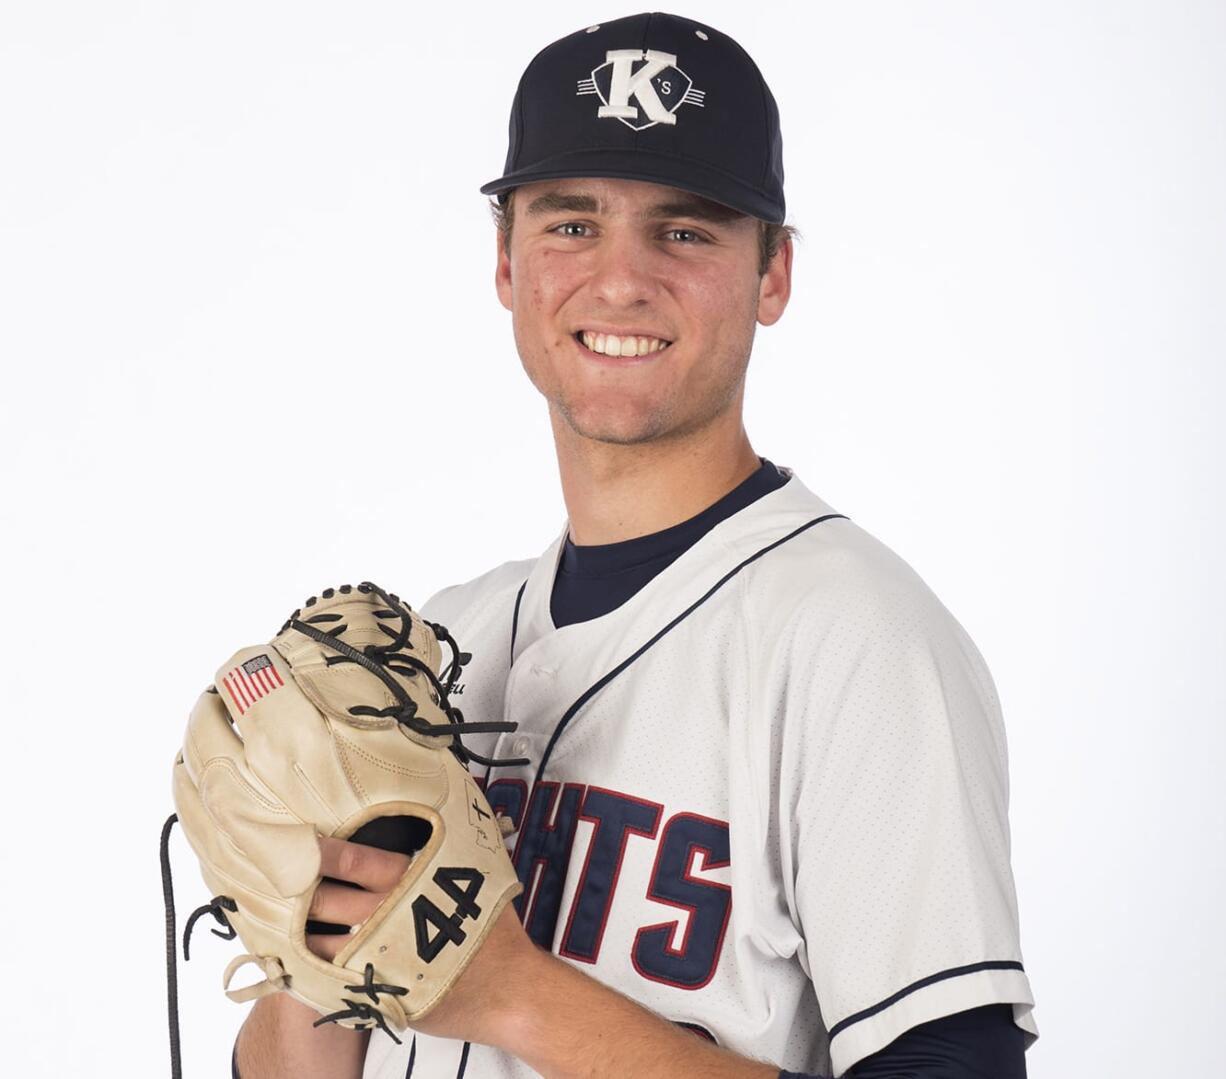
x=983, y=1043
x=595, y=580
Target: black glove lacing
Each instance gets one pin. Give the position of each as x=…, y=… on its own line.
x=217, y=906
x=379, y=659
x=359, y=1009
x=172, y=973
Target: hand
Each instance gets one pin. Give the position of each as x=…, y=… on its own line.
x=481, y=1004
x=516, y=996
x=375, y=872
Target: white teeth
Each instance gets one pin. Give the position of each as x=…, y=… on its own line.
x=612, y=345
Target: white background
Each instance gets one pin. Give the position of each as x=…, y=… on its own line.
x=251, y=347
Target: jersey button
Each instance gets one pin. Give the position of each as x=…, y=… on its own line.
x=520, y=746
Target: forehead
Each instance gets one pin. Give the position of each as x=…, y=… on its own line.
x=606, y=196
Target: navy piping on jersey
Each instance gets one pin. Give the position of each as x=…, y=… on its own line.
x=514, y=630
x=953, y=972
x=597, y=686
x=515, y=625
x=412, y=1058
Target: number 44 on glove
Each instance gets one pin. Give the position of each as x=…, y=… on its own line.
x=341, y=726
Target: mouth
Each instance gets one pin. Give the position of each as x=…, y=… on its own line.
x=623, y=346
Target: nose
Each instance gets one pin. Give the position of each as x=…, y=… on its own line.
x=623, y=271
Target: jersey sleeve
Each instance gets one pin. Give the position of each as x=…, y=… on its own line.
x=894, y=815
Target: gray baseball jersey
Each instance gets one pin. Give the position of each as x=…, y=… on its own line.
x=767, y=795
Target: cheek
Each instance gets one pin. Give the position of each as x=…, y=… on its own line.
x=719, y=280
x=534, y=304
x=722, y=308
x=543, y=281
x=542, y=287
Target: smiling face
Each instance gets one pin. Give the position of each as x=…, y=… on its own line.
x=634, y=305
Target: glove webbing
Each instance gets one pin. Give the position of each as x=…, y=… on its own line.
x=377, y=660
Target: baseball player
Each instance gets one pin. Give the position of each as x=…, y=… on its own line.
x=763, y=826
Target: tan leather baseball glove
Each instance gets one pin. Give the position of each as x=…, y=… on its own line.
x=342, y=726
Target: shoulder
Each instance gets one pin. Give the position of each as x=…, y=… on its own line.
x=868, y=676
x=836, y=575
x=464, y=607
x=835, y=602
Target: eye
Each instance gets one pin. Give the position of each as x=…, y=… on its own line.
x=687, y=236
x=570, y=228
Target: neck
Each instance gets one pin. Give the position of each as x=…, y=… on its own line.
x=616, y=492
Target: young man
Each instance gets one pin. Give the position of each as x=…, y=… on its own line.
x=764, y=824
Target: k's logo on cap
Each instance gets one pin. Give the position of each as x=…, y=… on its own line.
x=642, y=96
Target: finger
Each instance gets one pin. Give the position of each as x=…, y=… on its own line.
x=326, y=946
x=342, y=905
x=369, y=867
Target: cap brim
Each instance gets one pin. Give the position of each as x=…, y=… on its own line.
x=651, y=167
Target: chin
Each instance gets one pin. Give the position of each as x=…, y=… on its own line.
x=623, y=427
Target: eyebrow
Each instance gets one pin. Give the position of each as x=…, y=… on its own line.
x=697, y=207
x=555, y=202
x=693, y=206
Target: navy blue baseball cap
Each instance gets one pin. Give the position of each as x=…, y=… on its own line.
x=649, y=97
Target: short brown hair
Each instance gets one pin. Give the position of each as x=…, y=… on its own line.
x=770, y=235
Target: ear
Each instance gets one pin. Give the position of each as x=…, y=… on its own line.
x=502, y=272
x=776, y=285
